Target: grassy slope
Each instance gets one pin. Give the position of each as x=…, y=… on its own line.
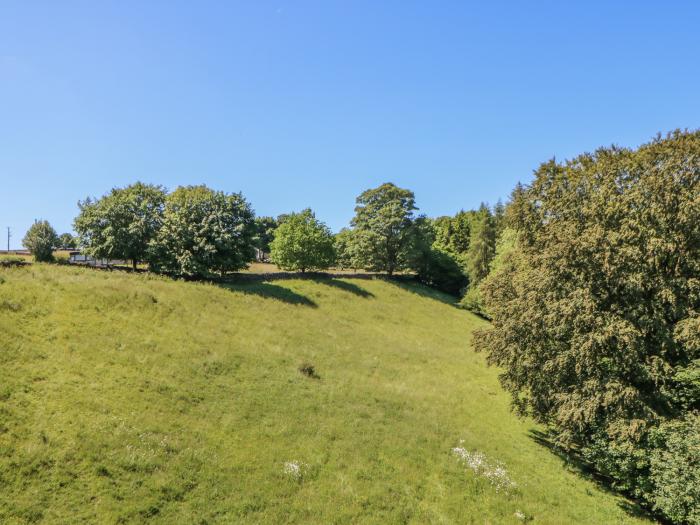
x=127, y=399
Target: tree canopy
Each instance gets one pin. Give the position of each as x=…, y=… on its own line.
x=264, y=232
x=482, y=245
x=595, y=313
x=302, y=242
x=383, y=227
x=41, y=239
x=203, y=232
x=67, y=241
x=122, y=224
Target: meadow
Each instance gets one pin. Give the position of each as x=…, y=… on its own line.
x=131, y=398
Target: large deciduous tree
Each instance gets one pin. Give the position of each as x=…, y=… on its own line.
x=41, y=239
x=122, y=224
x=596, y=314
x=383, y=225
x=302, y=242
x=203, y=233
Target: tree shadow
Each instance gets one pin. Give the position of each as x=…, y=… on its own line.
x=345, y=286
x=270, y=291
x=411, y=285
x=575, y=463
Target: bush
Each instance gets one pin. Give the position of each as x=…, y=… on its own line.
x=41, y=239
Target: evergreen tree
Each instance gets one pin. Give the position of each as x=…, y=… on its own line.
x=482, y=246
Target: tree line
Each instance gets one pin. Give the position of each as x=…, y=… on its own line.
x=197, y=232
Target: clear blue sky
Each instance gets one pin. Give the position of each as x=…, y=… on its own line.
x=301, y=103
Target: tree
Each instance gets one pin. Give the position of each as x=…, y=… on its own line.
x=473, y=298
x=67, y=241
x=383, y=227
x=344, y=249
x=203, y=233
x=499, y=217
x=434, y=266
x=41, y=239
x=452, y=234
x=596, y=320
x=302, y=242
x=264, y=232
x=482, y=246
x=122, y=224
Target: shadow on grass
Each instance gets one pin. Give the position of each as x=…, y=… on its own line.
x=576, y=464
x=411, y=285
x=270, y=291
x=345, y=286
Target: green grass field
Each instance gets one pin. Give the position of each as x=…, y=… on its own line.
x=129, y=398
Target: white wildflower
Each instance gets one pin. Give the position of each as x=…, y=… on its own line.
x=295, y=469
x=520, y=515
x=495, y=472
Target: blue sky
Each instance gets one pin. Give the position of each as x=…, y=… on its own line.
x=308, y=103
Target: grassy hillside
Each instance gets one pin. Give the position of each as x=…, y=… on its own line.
x=129, y=398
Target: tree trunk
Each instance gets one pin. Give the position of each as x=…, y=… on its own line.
x=134, y=262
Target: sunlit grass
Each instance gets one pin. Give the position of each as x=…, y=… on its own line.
x=128, y=398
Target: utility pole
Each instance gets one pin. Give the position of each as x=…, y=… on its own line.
x=8, y=239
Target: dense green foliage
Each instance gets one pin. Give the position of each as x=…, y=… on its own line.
x=41, y=239
x=122, y=224
x=383, y=228
x=203, y=232
x=302, y=242
x=482, y=245
x=67, y=242
x=264, y=233
x=131, y=398
x=595, y=314
x=473, y=298
x=452, y=234
x=433, y=265
x=343, y=244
